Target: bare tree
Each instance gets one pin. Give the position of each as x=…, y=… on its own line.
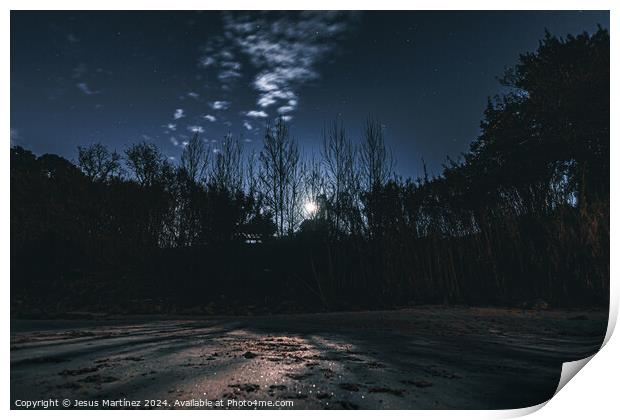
x=339, y=158
x=186, y=193
x=98, y=163
x=195, y=158
x=146, y=162
x=313, y=183
x=280, y=176
x=375, y=160
x=375, y=170
x=293, y=199
x=227, y=167
x=251, y=175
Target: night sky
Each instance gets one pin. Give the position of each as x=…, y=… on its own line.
x=124, y=77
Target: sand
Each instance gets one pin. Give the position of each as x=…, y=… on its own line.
x=418, y=358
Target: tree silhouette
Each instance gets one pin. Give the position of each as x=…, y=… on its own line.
x=146, y=162
x=195, y=159
x=523, y=214
x=98, y=163
x=279, y=175
x=341, y=178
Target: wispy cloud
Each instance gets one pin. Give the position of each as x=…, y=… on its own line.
x=86, y=90
x=193, y=95
x=217, y=56
x=286, y=109
x=179, y=113
x=210, y=118
x=231, y=65
x=284, y=48
x=220, y=105
x=196, y=129
x=171, y=127
x=247, y=125
x=226, y=75
x=256, y=114
x=206, y=61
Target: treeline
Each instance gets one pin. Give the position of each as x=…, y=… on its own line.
x=524, y=214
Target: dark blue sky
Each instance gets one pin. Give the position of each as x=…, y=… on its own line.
x=123, y=77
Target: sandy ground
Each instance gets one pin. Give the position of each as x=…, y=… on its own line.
x=420, y=358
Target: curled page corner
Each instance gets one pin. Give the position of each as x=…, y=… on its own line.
x=525, y=411
x=611, y=322
x=569, y=370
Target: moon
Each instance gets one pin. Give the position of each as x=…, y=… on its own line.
x=310, y=207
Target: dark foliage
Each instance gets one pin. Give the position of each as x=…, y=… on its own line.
x=523, y=215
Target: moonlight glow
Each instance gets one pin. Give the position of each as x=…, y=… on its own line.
x=310, y=207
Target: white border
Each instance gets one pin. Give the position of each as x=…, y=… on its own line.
x=592, y=395
x=310, y=5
